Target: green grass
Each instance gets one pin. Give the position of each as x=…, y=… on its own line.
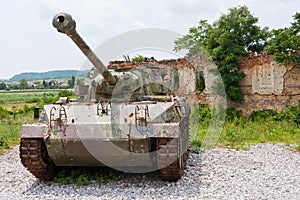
x=240, y=133
x=10, y=128
x=243, y=133
x=25, y=97
x=84, y=176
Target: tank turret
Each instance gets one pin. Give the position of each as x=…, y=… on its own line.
x=101, y=84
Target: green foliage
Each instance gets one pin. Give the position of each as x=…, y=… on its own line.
x=298, y=147
x=291, y=114
x=232, y=114
x=175, y=86
x=71, y=82
x=3, y=113
x=262, y=126
x=84, y=176
x=2, y=86
x=200, y=113
x=3, y=143
x=232, y=35
x=285, y=43
x=138, y=58
x=262, y=115
x=11, y=121
x=45, y=85
x=66, y=93
x=23, y=84
x=200, y=83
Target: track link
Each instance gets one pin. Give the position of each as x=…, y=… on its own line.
x=169, y=161
x=34, y=157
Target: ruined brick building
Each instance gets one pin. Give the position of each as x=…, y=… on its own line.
x=267, y=85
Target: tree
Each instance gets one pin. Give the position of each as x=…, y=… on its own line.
x=285, y=43
x=45, y=85
x=23, y=84
x=71, y=82
x=232, y=35
x=3, y=86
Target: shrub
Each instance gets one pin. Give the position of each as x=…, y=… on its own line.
x=232, y=114
x=261, y=115
x=4, y=113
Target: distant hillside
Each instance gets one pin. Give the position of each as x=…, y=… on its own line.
x=56, y=74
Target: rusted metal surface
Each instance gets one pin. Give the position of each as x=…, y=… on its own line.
x=34, y=131
x=35, y=158
x=169, y=160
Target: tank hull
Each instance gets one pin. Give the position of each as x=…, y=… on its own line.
x=86, y=138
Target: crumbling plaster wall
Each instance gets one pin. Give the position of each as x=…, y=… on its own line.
x=267, y=85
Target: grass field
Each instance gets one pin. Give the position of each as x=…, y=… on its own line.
x=26, y=96
x=239, y=133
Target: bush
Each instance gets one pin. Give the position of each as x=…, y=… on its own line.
x=200, y=114
x=291, y=114
x=262, y=115
x=232, y=114
x=4, y=113
x=138, y=58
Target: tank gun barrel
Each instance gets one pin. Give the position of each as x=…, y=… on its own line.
x=64, y=23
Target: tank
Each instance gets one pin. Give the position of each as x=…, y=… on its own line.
x=125, y=118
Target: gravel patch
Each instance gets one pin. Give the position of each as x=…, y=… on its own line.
x=266, y=171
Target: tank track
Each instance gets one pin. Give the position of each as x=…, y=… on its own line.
x=34, y=157
x=168, y=152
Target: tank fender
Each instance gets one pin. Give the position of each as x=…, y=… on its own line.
x=34, y=131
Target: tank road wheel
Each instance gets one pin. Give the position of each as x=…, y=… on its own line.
x=171, y=165
x=35, y=158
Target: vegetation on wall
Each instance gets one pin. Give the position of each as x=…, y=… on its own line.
x=138, y=58
x=235, y=34
x=284, y=43
x=232, y=35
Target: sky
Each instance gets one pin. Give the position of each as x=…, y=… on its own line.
x=29, y=43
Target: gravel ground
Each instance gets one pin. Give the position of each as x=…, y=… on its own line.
x=266, y=171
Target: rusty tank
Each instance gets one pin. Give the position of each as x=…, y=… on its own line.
x=125, y=118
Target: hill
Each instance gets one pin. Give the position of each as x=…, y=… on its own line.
x=56, y=74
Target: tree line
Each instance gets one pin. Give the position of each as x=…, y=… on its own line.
x=52, y=84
